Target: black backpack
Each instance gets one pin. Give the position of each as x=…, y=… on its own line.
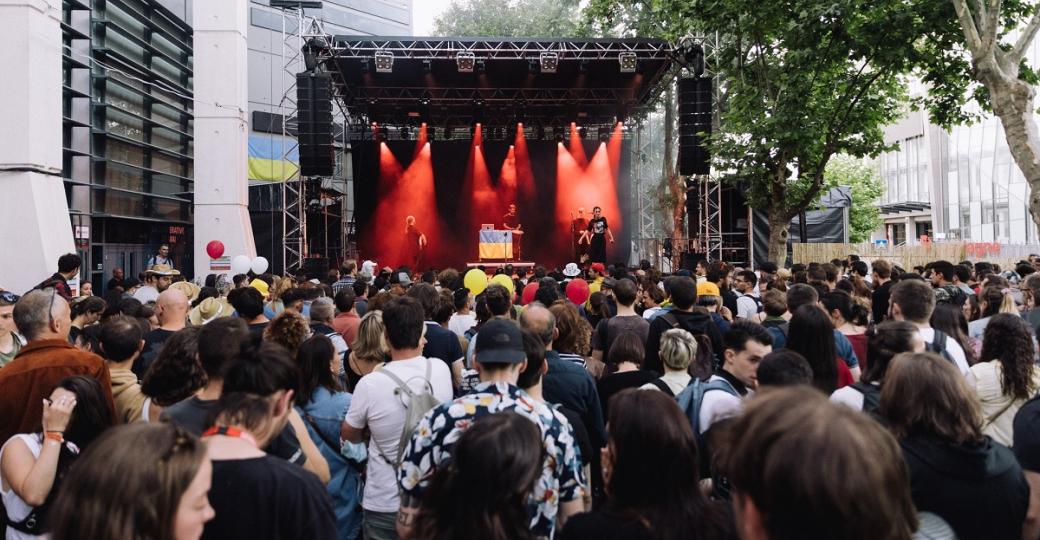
x=871, y=396
x=938, y=346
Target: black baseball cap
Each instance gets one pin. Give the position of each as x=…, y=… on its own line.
x=500, y=342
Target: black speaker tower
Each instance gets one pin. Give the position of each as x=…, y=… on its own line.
x=314, y=124
x=694, y=125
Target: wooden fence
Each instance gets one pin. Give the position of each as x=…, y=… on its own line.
x=909, y=256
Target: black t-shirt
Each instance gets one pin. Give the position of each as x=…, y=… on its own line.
x=195, y=415
x=1026, y=443
x=153, y=341
x=257, y=329
x=511, y=221
x=441, y=343
x=598, y=225
x=266, y=497
x=113, y=283
x=607, y=330
x=616, y=382
x=603, y=524
x=879, y=301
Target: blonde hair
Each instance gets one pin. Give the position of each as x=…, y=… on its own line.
x=678, y=349
x=370, y=343
x=280, y=286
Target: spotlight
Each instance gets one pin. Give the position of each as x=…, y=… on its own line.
x=424, y=101
x=558, y=134
x=365, y=66
x=539, y=133
x=384, y=61
x=465, y=60
x=628, y=62
x=548, y=61
x=431, y=133
x=603, y=134
x=583, y=66
x=406, y=133
x=381, y=137
x=532, y=66
x=427, y=66
x=582, y=132
x=373, y=101
x=480, y=68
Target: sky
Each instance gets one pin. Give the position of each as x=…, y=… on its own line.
x=423, y=14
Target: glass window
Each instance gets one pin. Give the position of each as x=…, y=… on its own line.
x=165, y=164
x=123, y=152
x=121, y=176
x=123, y=124
x=168, y=185
x=117, y=203
x=124, y=98
x=164, y=138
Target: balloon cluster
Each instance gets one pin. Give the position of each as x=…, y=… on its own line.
x=240, y=264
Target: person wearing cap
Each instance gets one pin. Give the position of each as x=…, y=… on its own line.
x=209, y=310
x=158, y=278
x=399, y=281
x=261, y=286
x=501, y=358
x=571, y=271
x=710, y=298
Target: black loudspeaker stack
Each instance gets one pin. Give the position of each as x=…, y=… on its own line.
x=314, y=124
x=694, y=125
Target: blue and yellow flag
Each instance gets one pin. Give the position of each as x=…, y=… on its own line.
x=265, y=158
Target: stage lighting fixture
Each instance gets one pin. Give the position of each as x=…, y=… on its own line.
x=479, y=67
x=582, y=132
x=406, y=133
x=539, y=133
x=628, y=61
x=583, y=66
x=548, y=61
x=373, y=101
x=558, y=134
x=365, y=66
x=604, y=134
x=381, y=137
x=532, y=66
x=465, y=60
x=424, y=101
x=384, y=61
x=427, y=66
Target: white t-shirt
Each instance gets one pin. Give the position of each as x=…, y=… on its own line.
x=848, y=396
x=147, y=294
x=17, y=509
x=460, y=323
x=746, y=307
x=676, y=381
x=375, y=406
x=718, y=405
x=955, y=350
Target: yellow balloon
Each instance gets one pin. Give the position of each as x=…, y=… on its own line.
x=476, y=281
x=504, y=281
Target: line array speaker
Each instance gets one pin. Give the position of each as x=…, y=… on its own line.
x=314, y=124
x=694, y=125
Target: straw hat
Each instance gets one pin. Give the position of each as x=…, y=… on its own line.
x=189, y=289
x=162, y=270
x=208, y=310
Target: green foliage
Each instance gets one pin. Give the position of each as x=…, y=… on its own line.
x=511, y=18
x=862, y=176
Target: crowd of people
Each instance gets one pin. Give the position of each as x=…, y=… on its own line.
x=844, y=399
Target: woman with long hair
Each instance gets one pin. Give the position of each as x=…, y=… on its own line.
x=597, y=309
x=462, y=501
x=971, y=308
x=369, y=350
x=956, y=471
x=651, y=475
x=992, y=300
x=323, y=405
x=850, y=319
x=949, y=319
x=34, y=465
x=884, y=342
x=1007, y=375
x=575, y=333
x=811, y=334
x=86, y=311
x=141, y=481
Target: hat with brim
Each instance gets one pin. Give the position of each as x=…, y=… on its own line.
x=571, y=270
x=162, y=270
x=261, y=286
x=499, y=342
x=189, y=289
x=208, y=310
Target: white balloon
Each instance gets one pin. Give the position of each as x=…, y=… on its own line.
x=240, y=264
x=259, y=265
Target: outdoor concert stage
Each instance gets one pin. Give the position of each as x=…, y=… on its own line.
x=452, y=131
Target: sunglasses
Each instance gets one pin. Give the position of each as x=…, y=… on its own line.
x=9, y=297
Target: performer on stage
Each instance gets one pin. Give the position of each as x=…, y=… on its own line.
x=597, y=234
x=511, y=222
x=415, y=243
x=578, y=226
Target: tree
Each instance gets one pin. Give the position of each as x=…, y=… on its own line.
x=510, y=18
x=994, y=36
x=865, y=182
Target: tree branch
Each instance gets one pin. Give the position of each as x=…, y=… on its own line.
x=1019, y=51
x=971, y=33
x=992, y=18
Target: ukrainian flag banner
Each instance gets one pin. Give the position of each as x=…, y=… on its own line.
x=496, y=244
x=265, y=158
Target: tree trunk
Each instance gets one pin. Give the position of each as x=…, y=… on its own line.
x=779, y=225
x=1013, y=103
x=673, y=181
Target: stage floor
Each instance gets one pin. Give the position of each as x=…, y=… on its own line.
x=500, y=264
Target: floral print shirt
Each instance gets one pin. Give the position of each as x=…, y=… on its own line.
x=562, y=478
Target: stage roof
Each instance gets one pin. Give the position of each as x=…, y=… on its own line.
x=507, y=83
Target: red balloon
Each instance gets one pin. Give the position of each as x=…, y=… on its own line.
x=215, y=249
x=577, y=291
x=528, y=295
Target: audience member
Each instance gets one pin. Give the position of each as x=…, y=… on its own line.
x=1007, y=375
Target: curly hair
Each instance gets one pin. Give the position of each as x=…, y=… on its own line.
x=176, y=373
x=1009, y=340
x=289, y=329
x=575, y=332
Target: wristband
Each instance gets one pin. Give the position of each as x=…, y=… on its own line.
x=54, y=436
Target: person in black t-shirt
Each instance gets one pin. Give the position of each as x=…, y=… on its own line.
x=440, y=342
x=597, y=234
x=511, y=222
x=626, y=361
x=257, y=496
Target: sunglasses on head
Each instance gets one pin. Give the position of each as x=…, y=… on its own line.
x=9, y=297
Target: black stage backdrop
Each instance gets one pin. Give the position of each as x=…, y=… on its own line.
x=545, y=242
